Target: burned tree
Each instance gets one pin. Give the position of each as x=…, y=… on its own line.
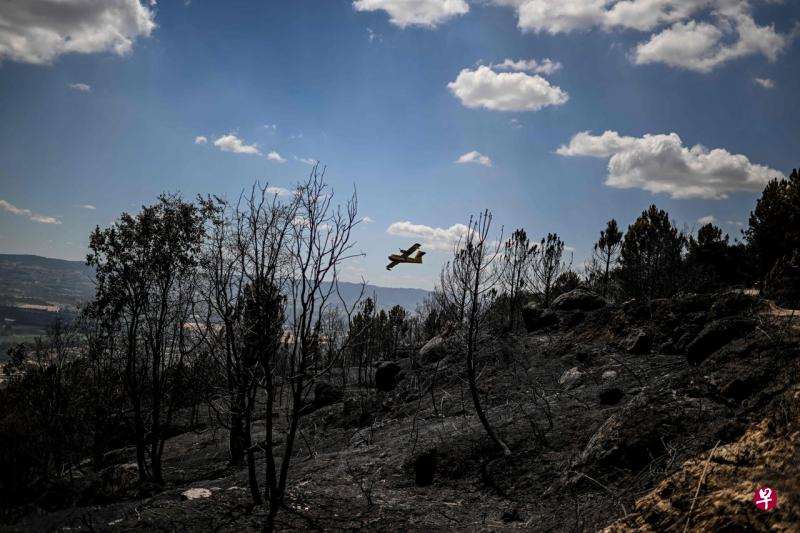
x=473, y=278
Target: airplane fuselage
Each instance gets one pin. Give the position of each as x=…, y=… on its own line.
x=405, y=259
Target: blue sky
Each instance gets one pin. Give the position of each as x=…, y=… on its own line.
x=102, y=104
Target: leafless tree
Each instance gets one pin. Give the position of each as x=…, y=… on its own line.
x=472, y=279
x=319, y=242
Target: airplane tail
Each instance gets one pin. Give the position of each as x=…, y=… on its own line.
x=419, y=255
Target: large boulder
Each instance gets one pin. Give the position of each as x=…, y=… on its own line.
x=536, y=318
x=732, y=303
x=387, y=375
x=434, y=350
x=716, y=335
x=579, y=300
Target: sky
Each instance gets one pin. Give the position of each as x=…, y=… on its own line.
x=555, y=115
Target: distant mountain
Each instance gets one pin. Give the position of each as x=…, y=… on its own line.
x=384, y=297
x=30, y=280
x=38, y=283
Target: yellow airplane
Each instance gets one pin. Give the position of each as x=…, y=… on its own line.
x=405, y=257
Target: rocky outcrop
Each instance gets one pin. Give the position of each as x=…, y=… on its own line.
x=716, y=335
x=578, y=300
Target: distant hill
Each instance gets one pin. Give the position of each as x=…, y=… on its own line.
x=30, y=280
x=385, y=297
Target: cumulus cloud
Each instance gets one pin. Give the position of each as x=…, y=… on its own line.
x=279, y=191
x=546, y=66
x=200, y=139
x=275, y=156
x=442, y=239
x=27, y=213
x=765, y=82
x=231, y=143
x=427, y=13
x=505, y=91
x=677, y=38
x=82, y=87
x=475, y=157
x=662, y=164
x=708, y=219
x=367, y=220
x=38, y=31
x=87, y=206
x=701, y=47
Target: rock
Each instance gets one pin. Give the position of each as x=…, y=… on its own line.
x=578, y=300
x=638, y=342
x=573, y=318
x=195, y=494
x=326, y=394
x=716, y=335
x=425, y=468
x=609, y=375
x=570, y=378
x=611, y=396
x=536, y=318
x=386, y=375
x=434, y=350
x=668, y=348
x=732, y=303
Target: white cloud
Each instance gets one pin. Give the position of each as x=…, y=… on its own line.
x=428, y=13
x=546, y=66
x=708, y=219
x=88, y=206
x=279, y=191
x=271, y=127
x=515, y=123
x=662, y=164
x=442, y=239
x=505, y=91
x=231, y=143
x=367, y=220
x=766, y=83
x=678, y=39
x=306, y=160
x=475, y=157
x=701, y=47
x=275, y=156
x=82, y=87
x=564, y=16
x=200, y=139
x=38, y=31
x=21, y=211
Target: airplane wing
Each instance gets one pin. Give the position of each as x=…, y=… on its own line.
x=410, y=250
x=392, y=265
